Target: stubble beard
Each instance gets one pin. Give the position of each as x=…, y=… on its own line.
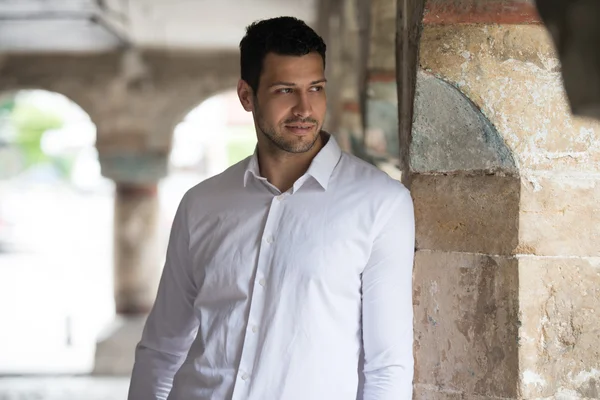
x=294, y=145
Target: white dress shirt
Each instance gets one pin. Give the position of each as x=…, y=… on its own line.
x=283, y=296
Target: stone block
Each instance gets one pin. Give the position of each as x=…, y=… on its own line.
x=559, y=352
x=430, y=392
x=481, y=12
x=560, y=215
x=477, y=214
x=451, y=134
x=466, y=324
x=513, y=75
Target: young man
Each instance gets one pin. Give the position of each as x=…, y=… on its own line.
x=287, y=267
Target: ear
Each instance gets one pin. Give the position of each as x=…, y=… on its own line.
x=245, y=95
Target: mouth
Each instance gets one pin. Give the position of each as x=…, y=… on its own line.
x=300, y=129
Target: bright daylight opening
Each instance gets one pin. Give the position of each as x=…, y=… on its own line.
x=55, y=236
x=56, y=220
x=212, y=137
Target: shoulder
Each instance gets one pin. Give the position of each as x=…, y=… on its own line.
x=216, y=187
x=368, y=179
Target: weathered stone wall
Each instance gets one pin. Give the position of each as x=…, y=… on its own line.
x=466, y=193
x=512, y=74
x=505, y=182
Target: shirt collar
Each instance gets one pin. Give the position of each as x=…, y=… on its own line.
x=252, y=167
x=321, y=168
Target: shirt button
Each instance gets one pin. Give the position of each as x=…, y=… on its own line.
x=280, y=197
x=254, y=328
x=270, y=239
x=245, y=377
x=262, y=283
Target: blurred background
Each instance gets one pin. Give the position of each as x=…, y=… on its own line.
x=57, y=209
x=110, y=110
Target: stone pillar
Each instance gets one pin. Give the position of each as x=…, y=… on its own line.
x=138, y=252
x=381, y=103
x=465, y=186
x=506, y=186
x=328, y=26
x=346, y=67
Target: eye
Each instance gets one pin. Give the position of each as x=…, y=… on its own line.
x=284, y=90
x=316, y=89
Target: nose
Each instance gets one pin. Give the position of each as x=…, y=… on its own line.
x=303, y=108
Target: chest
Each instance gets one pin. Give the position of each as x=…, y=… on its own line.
x=295, y=240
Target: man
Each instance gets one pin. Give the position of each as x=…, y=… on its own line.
x=284, y=268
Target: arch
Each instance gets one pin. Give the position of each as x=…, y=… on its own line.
x=9, y=88
x=213, y=135
x=149, y=109
x=190, y=99
x=221, y=111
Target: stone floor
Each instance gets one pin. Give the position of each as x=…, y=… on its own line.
x=63, y=388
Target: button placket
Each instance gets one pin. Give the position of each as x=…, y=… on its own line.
x=257, y=303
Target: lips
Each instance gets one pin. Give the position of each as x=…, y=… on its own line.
x=300, y=126
x=300, y=129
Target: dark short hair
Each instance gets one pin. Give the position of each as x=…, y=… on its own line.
x=286, y=36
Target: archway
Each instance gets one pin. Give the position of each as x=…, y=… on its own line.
x=55, y=235
x=211, y=137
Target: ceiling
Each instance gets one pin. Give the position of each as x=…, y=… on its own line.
x=99, y=25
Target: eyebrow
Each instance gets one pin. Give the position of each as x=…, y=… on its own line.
x=280, y=83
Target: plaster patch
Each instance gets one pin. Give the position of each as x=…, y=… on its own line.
x=533, y=181
x=564, y=394
x=531, y=378
x=585, y=376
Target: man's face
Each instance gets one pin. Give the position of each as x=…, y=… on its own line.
x=290, y=104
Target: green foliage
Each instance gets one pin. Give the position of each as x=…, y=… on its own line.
x=240, y=143
x=30, y=124
x=7, y=106
x=237, y=150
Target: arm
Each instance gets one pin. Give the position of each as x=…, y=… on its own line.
x=387, y=306
x=171, y=325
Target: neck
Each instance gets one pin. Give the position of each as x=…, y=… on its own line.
x=281, y=168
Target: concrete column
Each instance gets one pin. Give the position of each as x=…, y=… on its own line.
x=138, y=255
x=506, y=186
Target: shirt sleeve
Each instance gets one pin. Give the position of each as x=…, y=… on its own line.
x=171, y=325
x=387, y=310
